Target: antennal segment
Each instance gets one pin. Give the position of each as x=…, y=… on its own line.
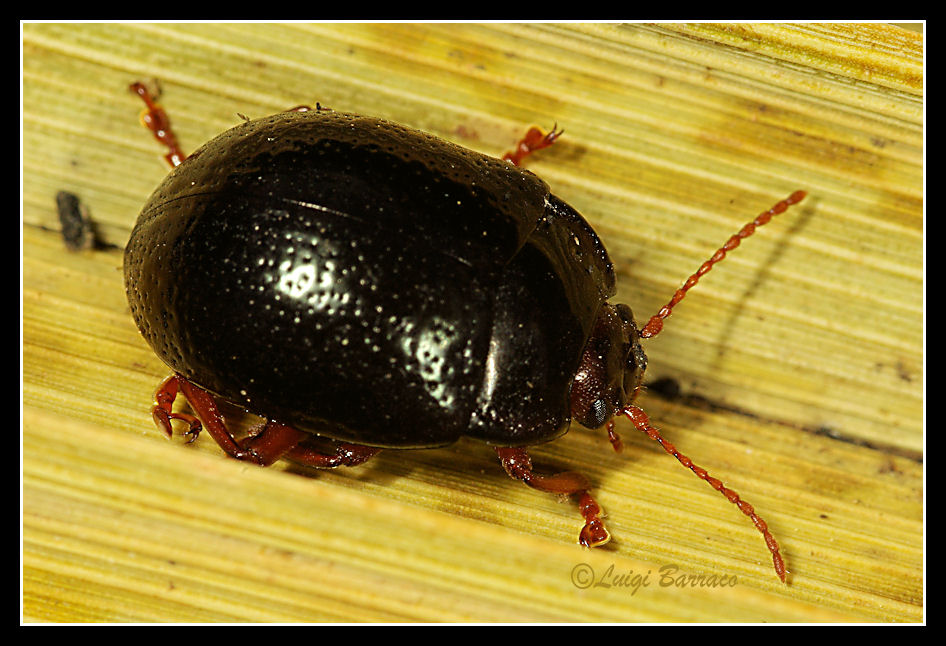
x=656, y=322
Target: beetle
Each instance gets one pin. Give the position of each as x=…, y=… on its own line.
x=356, y=281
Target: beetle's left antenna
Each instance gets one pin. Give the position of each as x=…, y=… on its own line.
x=155, y=119
x=656, y=322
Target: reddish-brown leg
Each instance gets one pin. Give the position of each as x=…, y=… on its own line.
x=642, y=422
x=534, y=140
x=518, y=465
x=155, y=119
x=272, y=442
x=164, y=398
x=206, y=408
x=614, y=438
x=347, y=455
x=277, y=440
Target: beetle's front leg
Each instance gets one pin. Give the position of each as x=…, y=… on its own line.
x=518, y=465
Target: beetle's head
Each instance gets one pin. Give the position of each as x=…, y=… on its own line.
x=612, y=367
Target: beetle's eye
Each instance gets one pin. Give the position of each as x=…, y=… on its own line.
x=599, y=413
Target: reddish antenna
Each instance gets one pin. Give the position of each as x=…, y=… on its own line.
x=656, y=322
x=653, y=327
x=642, y=422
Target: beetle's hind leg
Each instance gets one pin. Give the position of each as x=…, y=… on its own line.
x=162, y=413
x=205, y=406
x=518, y=465
x=272, y=442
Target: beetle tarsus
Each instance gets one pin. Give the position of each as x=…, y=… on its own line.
x=594, y=533
x=162, y=411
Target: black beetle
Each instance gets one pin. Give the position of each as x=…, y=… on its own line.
x=349, y=278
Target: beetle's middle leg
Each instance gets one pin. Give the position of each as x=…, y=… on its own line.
x=155, y=119
x=518, y=465
x=275, y=441
x=348, y=455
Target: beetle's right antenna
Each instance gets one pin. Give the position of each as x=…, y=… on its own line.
x=641, y=421
x=656, y=322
